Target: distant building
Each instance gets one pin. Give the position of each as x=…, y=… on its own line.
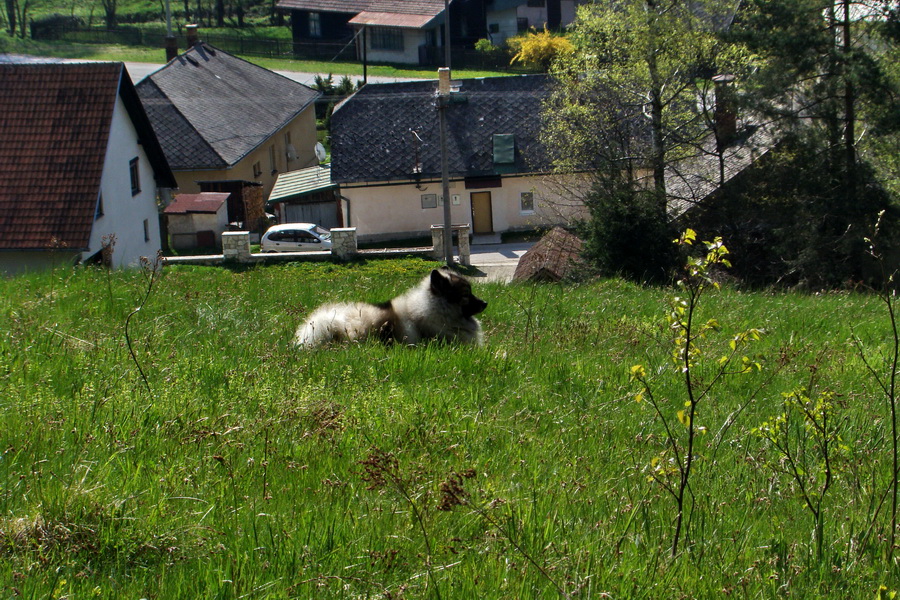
x=386, y=157
x=219, y=117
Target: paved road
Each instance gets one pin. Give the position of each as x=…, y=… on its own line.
x=497, y=262
x=140, y=70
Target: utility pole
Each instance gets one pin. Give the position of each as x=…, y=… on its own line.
x=443, y=100
x=171, y=42
x=447, y=35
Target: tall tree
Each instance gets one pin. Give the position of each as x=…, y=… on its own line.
x=110, y=8
x=628, y=105
x=820, y=75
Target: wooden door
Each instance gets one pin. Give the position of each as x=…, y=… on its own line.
x=482, y=217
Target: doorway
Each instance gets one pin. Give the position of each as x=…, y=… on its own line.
x=482, y=216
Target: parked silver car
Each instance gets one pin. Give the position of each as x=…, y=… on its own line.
x=296, y=237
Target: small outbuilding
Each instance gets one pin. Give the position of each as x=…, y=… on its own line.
x=197, y=220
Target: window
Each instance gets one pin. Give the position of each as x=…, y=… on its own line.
x=526, y=203
x=257, y=169
x=135, y=176
x=99, y=212
x=146, y=230
x=429, y=200
x=315, y=24
x=521, y=24
x=385, y=38
x=289, y=152
x=272, y=165
x=535, y=3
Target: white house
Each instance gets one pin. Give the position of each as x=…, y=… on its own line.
x=80, y=167
x=386, y=157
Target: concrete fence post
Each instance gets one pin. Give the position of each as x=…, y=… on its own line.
x=462, y=235
x=437, y=241
x=343, y=242
x=236, y=245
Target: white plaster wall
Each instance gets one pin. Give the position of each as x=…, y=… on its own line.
x=124, y=214
x=506, y=21
x=568, y=9
x=183, y=228
x=381, y=212
x=537, y=17
x=412, y=39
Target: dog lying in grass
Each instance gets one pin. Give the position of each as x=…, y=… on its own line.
x=441, y=307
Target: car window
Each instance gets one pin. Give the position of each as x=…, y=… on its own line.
x=305, y=236
x=279, y=236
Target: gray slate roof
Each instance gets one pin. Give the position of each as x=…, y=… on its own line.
x=373, y=140
x=210, y=109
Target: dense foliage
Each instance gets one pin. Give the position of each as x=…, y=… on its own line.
x=636, y=105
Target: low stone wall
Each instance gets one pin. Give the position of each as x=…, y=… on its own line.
x=236, y=249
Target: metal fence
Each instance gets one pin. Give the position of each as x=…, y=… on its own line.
x=248, y=46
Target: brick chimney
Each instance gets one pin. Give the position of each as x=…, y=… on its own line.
x=171, y=47
x=725, y=112
x=192, y=38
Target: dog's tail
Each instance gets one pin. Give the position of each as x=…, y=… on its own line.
x=341, y=323
x=322, y=327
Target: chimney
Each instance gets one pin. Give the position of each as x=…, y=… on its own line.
x=171, y=47
x=192, y=35
x=725, y=112
x=443, y=81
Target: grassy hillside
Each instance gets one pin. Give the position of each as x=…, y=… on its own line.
x=187, y=450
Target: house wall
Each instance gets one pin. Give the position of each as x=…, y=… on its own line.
x=507, y=19
x=392, y=211
x=133, y=219
x=302, y=130
x=15, y=262
x=183, y=228
x=412, y=39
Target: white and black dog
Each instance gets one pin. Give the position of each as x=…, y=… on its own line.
x=441, y=307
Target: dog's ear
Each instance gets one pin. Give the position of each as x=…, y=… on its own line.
x=440, y=283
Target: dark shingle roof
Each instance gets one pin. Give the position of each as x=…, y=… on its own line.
x=55, y=121
x=692, y=180
x=210, y=109
x=406, y=7
x=373, y=139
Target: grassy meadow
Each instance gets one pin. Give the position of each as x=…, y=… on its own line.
x=186, y=450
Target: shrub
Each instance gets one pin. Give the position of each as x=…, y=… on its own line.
x=628, y=235
x=537, y=49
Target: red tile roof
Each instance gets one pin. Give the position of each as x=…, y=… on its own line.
x=54, y=128
x=204, y=202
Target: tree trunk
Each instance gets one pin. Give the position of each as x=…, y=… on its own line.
x=11, y=9
x=849, y=106
x=658, y=151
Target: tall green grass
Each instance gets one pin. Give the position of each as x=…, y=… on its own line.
x=248, y=469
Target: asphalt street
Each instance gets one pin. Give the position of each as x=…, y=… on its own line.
x=140, y=70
